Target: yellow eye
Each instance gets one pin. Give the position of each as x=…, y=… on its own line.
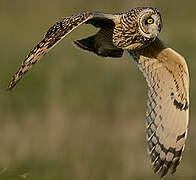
x=150, y=21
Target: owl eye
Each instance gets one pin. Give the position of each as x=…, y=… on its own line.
x=150, y=20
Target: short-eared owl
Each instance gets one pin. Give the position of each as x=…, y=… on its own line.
x=136, y=32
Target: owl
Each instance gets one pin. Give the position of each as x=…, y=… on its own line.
x=136, y=32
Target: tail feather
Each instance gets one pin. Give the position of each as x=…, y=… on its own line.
x=86, y=44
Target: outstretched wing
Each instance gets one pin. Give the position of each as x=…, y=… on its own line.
x=57, y=32
x=168, y=104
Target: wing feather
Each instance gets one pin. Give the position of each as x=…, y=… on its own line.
x=167, y=77
x=56, y=33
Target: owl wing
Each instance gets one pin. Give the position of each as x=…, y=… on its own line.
x=56, y=33
x=167, y=77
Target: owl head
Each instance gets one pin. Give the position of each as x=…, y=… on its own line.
x=139, y=27
x=149, y=22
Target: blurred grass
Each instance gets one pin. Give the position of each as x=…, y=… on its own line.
x=76, y=116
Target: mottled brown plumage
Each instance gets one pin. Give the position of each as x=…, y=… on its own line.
x=114, y=36
x=136, y=32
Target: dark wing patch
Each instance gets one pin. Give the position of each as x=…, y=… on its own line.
x=181, y=106
x=100, y=22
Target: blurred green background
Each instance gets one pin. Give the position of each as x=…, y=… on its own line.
x=77, y=116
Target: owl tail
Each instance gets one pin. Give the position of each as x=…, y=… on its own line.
x=89, y=44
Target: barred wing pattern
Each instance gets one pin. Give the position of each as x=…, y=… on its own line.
x=168, y=104
x=56, y=33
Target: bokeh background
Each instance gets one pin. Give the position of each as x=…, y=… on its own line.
x=77, y=116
